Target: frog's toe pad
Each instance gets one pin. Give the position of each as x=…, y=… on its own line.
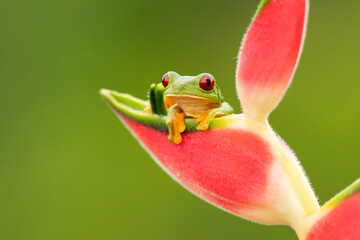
x=202, y=126
x=175, y=138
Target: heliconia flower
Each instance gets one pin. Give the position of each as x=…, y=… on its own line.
x=240, y=164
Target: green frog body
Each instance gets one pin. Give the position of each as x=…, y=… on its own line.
x=179, y=97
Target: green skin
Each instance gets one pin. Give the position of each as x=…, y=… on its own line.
x=198, y=100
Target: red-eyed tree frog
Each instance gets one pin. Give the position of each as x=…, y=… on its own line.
x=178, y=97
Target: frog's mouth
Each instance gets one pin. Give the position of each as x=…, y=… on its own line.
x=192, y=106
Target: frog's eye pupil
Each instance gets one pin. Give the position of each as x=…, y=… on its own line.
x=165, y=80
x=207, y=82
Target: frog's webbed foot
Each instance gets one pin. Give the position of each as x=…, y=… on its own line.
x=205, y=119
x=208, y=116
x=176, y=124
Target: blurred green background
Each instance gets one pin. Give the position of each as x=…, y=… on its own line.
x=70, y=170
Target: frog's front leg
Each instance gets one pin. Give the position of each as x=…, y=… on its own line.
x=176, y=124
x=208, y=116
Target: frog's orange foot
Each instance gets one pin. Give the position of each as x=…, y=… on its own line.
x=176, y=138
x=180, y=121
x=203, y=126
x=203, y=121
x=178, y=126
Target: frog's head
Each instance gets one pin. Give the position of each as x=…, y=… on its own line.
x=201, y=86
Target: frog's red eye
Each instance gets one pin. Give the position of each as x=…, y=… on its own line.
x=165, y=80
x=207, y=82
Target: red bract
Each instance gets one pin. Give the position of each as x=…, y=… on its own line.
x=215, y=177
x=269, y=54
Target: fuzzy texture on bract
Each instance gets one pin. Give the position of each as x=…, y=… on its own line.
x=269, y=54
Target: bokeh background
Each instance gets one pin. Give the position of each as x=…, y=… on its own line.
x=70, y=170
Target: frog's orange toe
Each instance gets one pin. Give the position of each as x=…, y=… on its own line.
x=177, y=139
x=180, y=122
x=202, y=120
x=202, y=126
